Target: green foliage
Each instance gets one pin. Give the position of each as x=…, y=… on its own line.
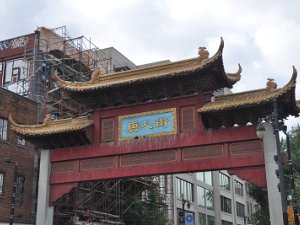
x=146, y=211
x=261, y=216
x=294, y=135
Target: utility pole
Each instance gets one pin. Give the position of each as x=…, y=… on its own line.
x=13, y=197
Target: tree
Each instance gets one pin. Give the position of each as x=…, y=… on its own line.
x=294, y=136
x=148, y=210
x=261, y=216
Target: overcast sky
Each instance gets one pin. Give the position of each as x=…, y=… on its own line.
x=262, y=35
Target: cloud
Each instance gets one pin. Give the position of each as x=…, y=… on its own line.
x=261, y=35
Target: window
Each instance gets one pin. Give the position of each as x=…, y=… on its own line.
x=210, y=220
x=21, y=141
x=202, y=219
x=187, y=119
x=206, y=219
x=209, y=199
x=1, y=183
x=15, y=70
x=240, y=210
x=184, y=190
x=256, y=208
x=248, y=208
x=107, y=132
x=247, y=188
x=3, y=128
x=205, y=177
x=226, y=205
x=1, y=73
x=224, y=222
x=8, y=72
x=162, y=184
x=224, y=182
x=201, y=196
x=205, y=198
x=20, y=189
x=238, y=188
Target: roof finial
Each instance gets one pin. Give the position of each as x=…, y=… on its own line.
x=47, y=119
x=271, y=85
x=203, y=53
x=95, y=77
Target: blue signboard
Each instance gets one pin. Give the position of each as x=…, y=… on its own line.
x=189, y=218
x=147, y=124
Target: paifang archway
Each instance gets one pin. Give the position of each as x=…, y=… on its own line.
x=158, y=120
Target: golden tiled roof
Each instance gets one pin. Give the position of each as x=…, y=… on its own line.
x=244, y=99
x=178, y=68
x=49, y=127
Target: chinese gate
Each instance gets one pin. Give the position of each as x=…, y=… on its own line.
x=159, y=120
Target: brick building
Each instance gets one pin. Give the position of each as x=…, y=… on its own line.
x=21, y=152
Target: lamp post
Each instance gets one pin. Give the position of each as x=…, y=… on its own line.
x=291, y=173
x=290, y=163
x=182, y=213
x=273, y=119
x=185, y=202
x=13, y=197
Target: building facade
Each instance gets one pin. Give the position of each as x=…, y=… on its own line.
x=16, y=153
x=117, y=123
x=162, y=119
x=211, y=197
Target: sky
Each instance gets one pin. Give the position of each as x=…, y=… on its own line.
x=263, y=36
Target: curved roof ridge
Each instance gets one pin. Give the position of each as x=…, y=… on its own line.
x=292, y=82
x=235, y=76
x=51, y=126
x=99, y=81
x=248, y=97
x=293, y=78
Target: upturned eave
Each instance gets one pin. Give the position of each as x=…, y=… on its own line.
x=249, y=98
x=143, y=75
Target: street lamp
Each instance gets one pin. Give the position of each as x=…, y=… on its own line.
x=182, y=211
x=273, y=119
x=290, y=163
x=13, y=197
x=291, y=173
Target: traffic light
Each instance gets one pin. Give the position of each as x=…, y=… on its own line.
x=276, y=158
x=181, y=217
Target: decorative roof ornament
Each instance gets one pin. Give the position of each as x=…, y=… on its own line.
x=50, y=127
x=203, y=53
x=180, y=68
x=95, y=77
x=252, y=98
x=47, y=119
x=271, y=85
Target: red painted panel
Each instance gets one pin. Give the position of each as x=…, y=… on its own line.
x=146, y=158
x=56, y=191
x=255, y=175
x=58, y=181
x=157, y=143
x=254, y=172
x=202, y=152
x=197, y=150
x=169, y=166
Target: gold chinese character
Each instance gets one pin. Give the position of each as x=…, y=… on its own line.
x=161, y=122
x=146, y=125
x=133, y=127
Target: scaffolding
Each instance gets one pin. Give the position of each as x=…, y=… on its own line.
x=91, y=202
x=73, y=58
x=102, y=201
